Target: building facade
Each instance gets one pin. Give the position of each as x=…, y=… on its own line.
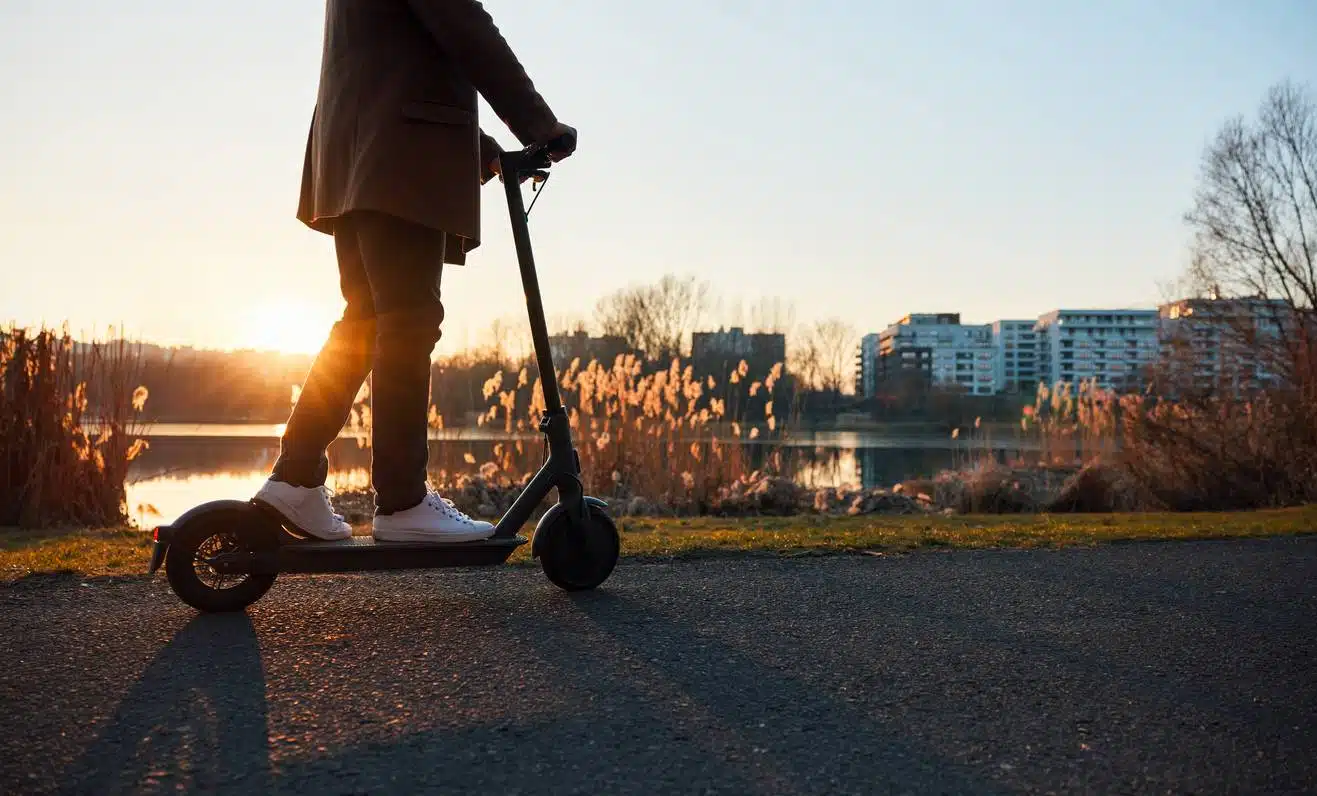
x=1234, y=345
x=1113, y=348
x=866, y=366
x=727, y=347
x=1015, y=348
x=1223, y=345
x=604, y=349
x=934, y=349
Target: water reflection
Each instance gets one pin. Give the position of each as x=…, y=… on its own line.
x=178, y=472
x=272, y=431
x=182, y=469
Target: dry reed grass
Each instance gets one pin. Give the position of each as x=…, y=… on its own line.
x=1098, y=450
x=68, y=428
x=666, y=435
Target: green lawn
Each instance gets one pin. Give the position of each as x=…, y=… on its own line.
x=124, y=552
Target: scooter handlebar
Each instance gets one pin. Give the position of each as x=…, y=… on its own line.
x=541, y=156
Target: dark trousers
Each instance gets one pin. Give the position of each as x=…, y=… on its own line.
x=389, y=273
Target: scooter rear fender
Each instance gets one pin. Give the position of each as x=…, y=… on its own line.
x=252, y=521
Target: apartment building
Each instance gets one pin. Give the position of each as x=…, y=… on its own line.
x=581, y=345
x=720, y=351
x=1015, y=344
x=866, y=366
x=935, y=348
x=1113, y=348
x=1230, y=345
x=1209, y=343
x=736, y=342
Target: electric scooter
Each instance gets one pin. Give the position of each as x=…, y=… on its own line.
x=225, y=554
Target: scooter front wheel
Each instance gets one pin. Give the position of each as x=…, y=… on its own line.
x=202, y=586
x=578, y=559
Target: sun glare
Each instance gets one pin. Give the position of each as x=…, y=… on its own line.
x=289, y=327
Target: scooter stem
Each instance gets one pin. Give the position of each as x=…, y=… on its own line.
x=512, y=165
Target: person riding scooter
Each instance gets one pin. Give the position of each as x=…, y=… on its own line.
x=394, y=161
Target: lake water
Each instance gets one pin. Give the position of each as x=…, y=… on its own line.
x=188, y=464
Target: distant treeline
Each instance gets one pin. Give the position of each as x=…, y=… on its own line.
x=203, y=386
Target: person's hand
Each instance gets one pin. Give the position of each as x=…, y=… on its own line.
x=561, y=141
x=494, y=166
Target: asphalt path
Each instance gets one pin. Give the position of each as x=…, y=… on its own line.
x=1140, y=668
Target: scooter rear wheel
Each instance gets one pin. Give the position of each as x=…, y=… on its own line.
x=578, y=561
x=199, y=584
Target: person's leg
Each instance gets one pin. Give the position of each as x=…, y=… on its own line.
x=294, y=486
x=404, y=263
x=336, y=375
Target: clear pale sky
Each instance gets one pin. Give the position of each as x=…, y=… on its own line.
x=864, y=159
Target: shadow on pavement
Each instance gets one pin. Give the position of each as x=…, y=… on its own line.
x=650, y=705
x=196, y=718
x=808, y=739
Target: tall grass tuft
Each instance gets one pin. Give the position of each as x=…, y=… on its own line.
x=1199, y=453
x=1221, y=453
x=664, y=435
x=661, y=434
x=68, y=428
x=1074, y=424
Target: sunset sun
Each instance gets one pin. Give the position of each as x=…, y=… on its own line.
x=286, y=326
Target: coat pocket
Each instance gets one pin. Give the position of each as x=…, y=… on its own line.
x=437, y=113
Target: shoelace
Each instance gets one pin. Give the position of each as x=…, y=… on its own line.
x=327, y=493
x=448, y=507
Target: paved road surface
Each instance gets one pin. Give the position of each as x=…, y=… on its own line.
x=1135, y=668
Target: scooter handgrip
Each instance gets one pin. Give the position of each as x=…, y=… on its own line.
x=564, y=144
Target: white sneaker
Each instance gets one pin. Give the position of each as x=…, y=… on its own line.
x=434, y=519
x=305, y=508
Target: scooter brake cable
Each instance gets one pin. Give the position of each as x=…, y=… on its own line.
x=537, y=192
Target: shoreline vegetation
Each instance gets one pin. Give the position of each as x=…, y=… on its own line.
x=120, y=552
x=69, y=427
x=667, y=442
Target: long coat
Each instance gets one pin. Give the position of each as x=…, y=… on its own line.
x=395, y=126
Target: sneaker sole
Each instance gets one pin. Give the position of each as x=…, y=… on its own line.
x=283, y=515
x=432, y=537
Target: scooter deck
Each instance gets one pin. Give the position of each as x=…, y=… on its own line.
x=362, y=553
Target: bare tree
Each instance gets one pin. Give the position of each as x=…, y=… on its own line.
x=836, y=343
x=822, y=355
x=772, y=315
x=656, y=319
x=728, y=311
x=767, y=315
x=564, y=323
x=804, y=361
x=507, y=340
x=1255, y=224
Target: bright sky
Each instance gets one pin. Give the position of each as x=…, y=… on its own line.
x=863, y=158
